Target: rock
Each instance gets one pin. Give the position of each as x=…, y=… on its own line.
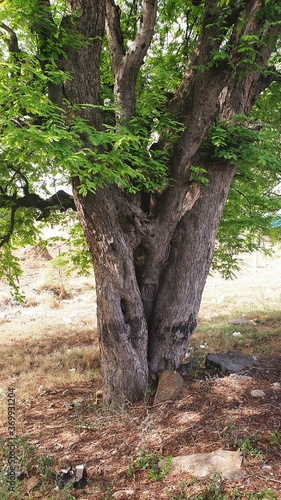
x=123, y=494
x=230, y=362
x=239, y=321
x=201, y=465
x=170, y=386
x=31, y=483
x=256, y=393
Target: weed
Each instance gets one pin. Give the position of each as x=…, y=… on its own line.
x=149, y=461
x=246, y=447
x=231, y=434
x=29, y=462
x=106, y=489
x=274, y=438
x=215, y=490
x=193, y=361
x=261, y=495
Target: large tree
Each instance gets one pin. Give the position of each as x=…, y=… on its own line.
x=144, y=107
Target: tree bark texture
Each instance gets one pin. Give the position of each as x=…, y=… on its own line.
x=151, y=270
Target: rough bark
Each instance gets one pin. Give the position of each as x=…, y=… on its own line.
x=187, y=269
x=122, y=325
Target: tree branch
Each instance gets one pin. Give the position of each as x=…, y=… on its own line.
x=6, y=238
x=125, y=66
x=13, y=40
x=60, y=201
x=114, y=35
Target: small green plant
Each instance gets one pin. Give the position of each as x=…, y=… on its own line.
x=246, y=447
x=214, y=491
x=149, y=461
x=30, y=462
x=274, y=438
x=261, y=495
x=106, y=489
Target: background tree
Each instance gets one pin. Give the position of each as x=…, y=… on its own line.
x=144, y=108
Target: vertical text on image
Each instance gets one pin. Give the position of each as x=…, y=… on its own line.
x=12, y=458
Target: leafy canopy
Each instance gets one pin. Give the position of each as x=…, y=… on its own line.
x=42, y=146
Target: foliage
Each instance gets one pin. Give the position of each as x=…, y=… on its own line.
x=246, y=447
x=254, y=202
x=43, y=145
x=149, y=461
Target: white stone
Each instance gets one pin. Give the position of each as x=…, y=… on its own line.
x=256, y=393
x=201, y=465
x=123, y=494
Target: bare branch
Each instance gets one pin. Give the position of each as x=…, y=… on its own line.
x=139, y=47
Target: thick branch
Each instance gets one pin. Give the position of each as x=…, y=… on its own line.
x=125, y=66
x=114, y=34
x=60, y=201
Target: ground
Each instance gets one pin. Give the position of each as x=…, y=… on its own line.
x=50, y=344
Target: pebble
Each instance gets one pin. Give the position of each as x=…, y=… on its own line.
x=123, y=494
x=256, y=393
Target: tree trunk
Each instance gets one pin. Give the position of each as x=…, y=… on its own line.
x=179, y=297
x=143, y=326
x=122, y=325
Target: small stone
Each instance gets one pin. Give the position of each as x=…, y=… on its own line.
x=123, y=494
x=256, y=393
x=236, y=334
x=170, y=386
x=31, y=483
x=239, y=321
x=276, y=385
x=266, y=467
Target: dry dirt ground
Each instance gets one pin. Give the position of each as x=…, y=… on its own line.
x=57, y=411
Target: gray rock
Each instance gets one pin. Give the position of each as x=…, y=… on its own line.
x=170, y=386
x=201, y=465
x=230, y=362
x=239, y=321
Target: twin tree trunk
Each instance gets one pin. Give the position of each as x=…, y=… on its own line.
x=149, y=288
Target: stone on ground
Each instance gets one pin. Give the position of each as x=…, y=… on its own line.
x=230, y=362
x=200, y=465
x=170, y=386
